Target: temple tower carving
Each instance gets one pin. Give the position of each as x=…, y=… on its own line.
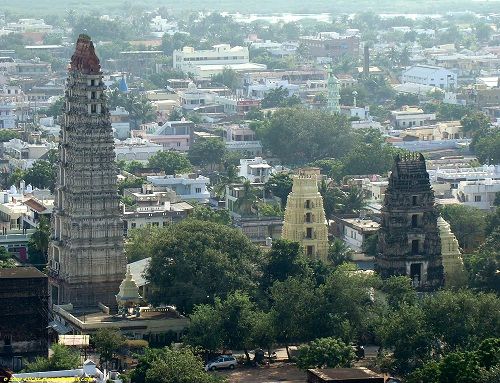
x=86, y=259
x=409, y=241
x=305, y=220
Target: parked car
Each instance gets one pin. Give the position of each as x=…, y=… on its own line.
x=223, y=361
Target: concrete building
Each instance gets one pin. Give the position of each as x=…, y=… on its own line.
x=222, y=54
x=479, y=193
x=256, y=170
x=430, y=75
x=86, y=259
x=305, y=220
x=355, y=231
x=449, y=130
x=24, y=318
x=409, y=242
x=136, y=149
x=173, y=135
x=240, y=138
x=156, y=207
x=120, y=122
x=331, y=45
x=409, y=116
x=259, y=90
x=188, y=187
x=7, y=115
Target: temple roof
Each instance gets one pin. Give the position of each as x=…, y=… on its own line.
x=84, y=59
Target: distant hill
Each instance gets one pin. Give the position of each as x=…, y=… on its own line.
x=26, y=8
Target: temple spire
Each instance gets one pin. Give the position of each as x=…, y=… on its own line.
x=85, y=59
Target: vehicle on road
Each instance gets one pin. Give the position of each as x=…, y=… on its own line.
x=223, y=361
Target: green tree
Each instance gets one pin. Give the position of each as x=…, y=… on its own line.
x=38, y=243
x=231, y=176
x=205, y=329
x=195, y=261
x=399, y=291
x=56, y=109
x=41, y=175
x=352, y=200
x=299, y=136
x=7, y=135
x=474, y=122
x=170, y=162
x=278, y=97
x=286, y=259
x=205, y=213
x=325, y=352
x=247, y=200
x=62, y=358
x=140, y=241
x=467, y=223
x=227, y=77
x=6, y=260
x=207, y=152
x=280, y=185
x=171, y=365
x=107, y=342
x=291, y=310
x=339, y=252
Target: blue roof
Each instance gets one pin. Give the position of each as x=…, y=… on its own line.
x=122, y=85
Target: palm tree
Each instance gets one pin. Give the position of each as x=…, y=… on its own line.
x=248, y=199
x=231, y=177
x=339, y=252
x=353, y=200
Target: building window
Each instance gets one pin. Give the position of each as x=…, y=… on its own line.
x=415, y=247
x=93, y=108
x=308, y=204
x=477, y=198
x=310, y=250
x=198, y=190
x=414, y=200
x=309, y=233
x=308, y=217
x=414, y=220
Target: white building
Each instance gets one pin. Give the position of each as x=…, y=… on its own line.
x=259, y=90
x=430, y=75
x=188, y=187
x=356, y=230
x=479, y=194
x=7, y=116
x=223, y=54
x=193, y=97
x=410, y=116
x=136, y=149
x=120, y=122
x=256, y=170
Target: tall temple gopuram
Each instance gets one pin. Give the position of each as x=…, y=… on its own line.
x=305, y=220
x=409, y=241
x=86, y=259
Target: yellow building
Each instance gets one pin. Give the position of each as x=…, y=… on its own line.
x=305, y=220
x=454, y=273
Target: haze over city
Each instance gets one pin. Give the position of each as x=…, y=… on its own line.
x=217, y=191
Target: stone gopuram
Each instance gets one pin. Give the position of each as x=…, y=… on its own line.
x=86, y=259
x=305, y=220
x=409, y=241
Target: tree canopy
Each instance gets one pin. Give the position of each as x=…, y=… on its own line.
x=170, y=162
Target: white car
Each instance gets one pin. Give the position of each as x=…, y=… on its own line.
x=223, y=361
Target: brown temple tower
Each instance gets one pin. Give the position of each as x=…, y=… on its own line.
x=409, y=242
x=86, y=259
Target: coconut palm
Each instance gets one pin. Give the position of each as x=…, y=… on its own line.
x=352, y=200
x=231, y=177
x=248, y=200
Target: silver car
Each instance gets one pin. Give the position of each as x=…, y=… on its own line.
x=223, y=361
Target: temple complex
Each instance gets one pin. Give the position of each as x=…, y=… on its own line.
x=305, y=220
x=453, y=266
x=409, y=241
x=86, y=259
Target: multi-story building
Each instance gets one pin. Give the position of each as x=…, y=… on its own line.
x=223, y=54
x=173, y=135
x=331, y=45
x=156, y=207
x=410, y=116
x=120, y=122
x=430, y=75
x=7, y=115
x=188, y=187
x=136, y=149
x=409, y=242
x=305, y=220
x=355, y=231
x=24, y=318
x=256, y=170
x=478, y=193
x=86, y=259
